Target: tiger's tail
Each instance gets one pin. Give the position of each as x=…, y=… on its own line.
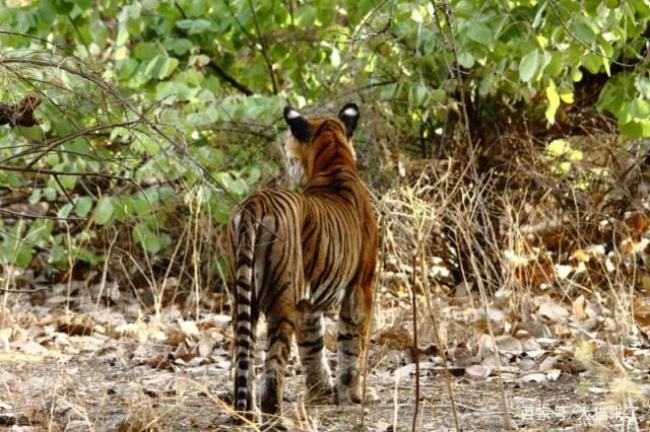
x=243, y=313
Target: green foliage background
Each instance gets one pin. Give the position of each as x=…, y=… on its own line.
x=180, y=102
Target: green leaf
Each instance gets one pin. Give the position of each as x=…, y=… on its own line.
x=64, y=211
x=160, y=67
x=480, y=33
x=124, y=69
x=146, y=238
x=388, y=91
x=528, y=66
x=636, y=129
x=195, y=26
x=592, y=62
x=639, y=109
x=466, y=60
x=584, y=33
x=82, y=206
x=417, y=95
x=104, y=210
x=306, y=15
x=233, y=184
x=145, y=50
x=35, y=196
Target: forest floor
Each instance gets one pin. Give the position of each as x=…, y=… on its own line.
x=97, y=368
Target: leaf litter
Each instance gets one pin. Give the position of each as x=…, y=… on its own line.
x=566, y=355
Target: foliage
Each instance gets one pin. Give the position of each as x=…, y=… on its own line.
x=180, y=102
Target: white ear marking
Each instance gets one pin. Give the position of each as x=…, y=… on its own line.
x=350, y=112
x=292, y=114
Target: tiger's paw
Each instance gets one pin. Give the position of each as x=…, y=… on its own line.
x=349, y=396
x=320, y=392
x=240, y=418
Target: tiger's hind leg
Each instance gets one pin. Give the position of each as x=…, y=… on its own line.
x=280, y=325
x=353, y=325
x=311, y=344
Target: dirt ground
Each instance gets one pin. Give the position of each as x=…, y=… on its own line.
x=95, y=391
x=110, y=370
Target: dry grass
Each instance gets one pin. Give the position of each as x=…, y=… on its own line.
x=523, y=321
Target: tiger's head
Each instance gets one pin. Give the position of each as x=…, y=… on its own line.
x=317, y=144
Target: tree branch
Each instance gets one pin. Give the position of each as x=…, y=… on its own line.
x=227, y=78
x=263, y=49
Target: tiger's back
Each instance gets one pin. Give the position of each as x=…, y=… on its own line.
x=294, y=255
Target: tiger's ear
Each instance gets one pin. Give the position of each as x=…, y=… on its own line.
x=297, y=124
x=349, y=115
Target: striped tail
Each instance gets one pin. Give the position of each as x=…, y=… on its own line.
x=243, y=312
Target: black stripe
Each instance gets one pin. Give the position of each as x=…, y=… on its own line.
x=243, y=300
x=245, y=260
x=316, y=349
x=323, y=126
x=243, y=284
x=316, y=342
x=276, y=296
x=241, y=381
x=241, y=330
x=345, y=336
x=324, y=146
x=284, y=340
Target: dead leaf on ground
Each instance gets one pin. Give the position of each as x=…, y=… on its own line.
x=553, y=312
x=478, y=371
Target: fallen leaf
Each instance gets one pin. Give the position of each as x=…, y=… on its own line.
x=533, y=378
x=578, y=308
x=189, y=328
x=553, y=374
x=553, y=312
x=478, y=371
x=205, y=345
x=509, y=345
x=548, y=363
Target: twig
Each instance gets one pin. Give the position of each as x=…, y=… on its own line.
x=459, y=76
x=64, y=139
x=28, y=216
x=507, y=424
x=581, y=42
x=77, y=134
x=436, y=334
x=263, y=48
x=364, y=360
x=39, y=171
x=22, y=291
x=416, y=354
x=42, y=40
x=65, y=192
x=229, y=79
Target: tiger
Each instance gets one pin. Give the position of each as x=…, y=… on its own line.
x=295, y=255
